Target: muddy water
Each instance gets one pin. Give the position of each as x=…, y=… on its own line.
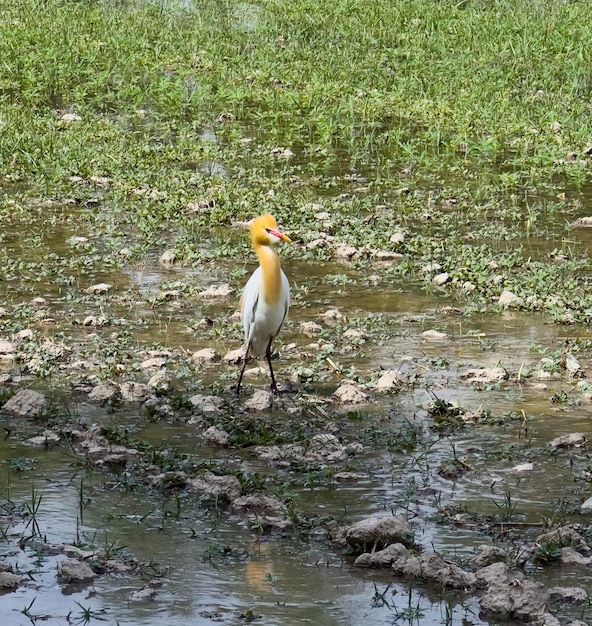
x=210, y=568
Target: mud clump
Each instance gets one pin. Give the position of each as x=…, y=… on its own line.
x=27, y=404
x=432, y=568
x=377, y=532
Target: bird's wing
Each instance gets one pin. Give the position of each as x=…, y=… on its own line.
x=285, y=300
x=249, y=301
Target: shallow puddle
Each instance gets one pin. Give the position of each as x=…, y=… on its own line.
x=209, y=567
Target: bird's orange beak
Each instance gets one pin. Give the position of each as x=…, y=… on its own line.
x=282, y=236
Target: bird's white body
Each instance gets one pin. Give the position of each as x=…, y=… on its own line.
x=262, y=320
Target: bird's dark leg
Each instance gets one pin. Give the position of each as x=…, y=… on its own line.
x=268, y=357
x=240, y=378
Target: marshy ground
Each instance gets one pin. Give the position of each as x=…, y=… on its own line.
x=431, y=162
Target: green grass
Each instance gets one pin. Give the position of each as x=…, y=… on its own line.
x=480, y=110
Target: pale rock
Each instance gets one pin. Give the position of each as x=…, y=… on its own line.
x=468, y=287
x=143, y=595
x=255, y=372
x=332, y=315
x=566, y=536
x=381, y=558
x=353, y=448
x=205, y=355
x=433, y=568
x=104, y=392
x=217, y=292
x=161, y=382
x=485, y=376
x=282, y=153
x=78, y=241
x=344, y=251
x=342, y=197
x=441, y=279
x=69, y=118
x=387, y=255
x=488, y=555
x=540, y=387
x=350, y=393
x=47, y=439
x=573, y=440
x=434, y=335
x=89, y=320
x=430, y=268
x=571, y=364
x=495, y=575
x=351, y=334
x=310, y=328
x=524, y=467
x=397, y=238
x=26, y=403
x=204, y=323
x=261, y=400
x=570, y=556
x=260, y=504
x=349, y=476
x=582, y=222
x=167, y=258
x=509, y=299
x=154, y=363
x=234, y=356
x=379, y=532
x=7, y=351
x=328, y=448
x=73, y=571
x=27, y=334
x=132, y=391
x=568, y=595
x=586, y=506
x=211, y=485
x=206, y=405
x=524, y=600
x=10, y=581
x=319, y=242
x=388, y=381
x=99, y=289
x=498, y=279
x=216, y=436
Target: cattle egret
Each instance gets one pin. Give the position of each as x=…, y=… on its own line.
x=266, y=298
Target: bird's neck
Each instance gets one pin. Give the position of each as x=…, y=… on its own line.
x=269, y=262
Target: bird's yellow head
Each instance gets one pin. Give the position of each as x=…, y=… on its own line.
x=264, y=231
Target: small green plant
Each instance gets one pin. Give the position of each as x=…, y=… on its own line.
x=507, y=508
x=547, y=553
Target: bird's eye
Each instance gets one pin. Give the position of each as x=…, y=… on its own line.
x=268, y=230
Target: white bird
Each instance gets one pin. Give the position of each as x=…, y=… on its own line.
x=266, y=298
